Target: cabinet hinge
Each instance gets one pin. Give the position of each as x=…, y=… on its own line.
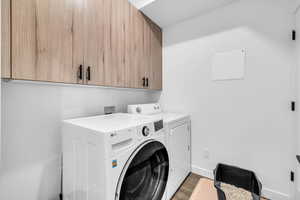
x=294, y=35
x=292, y=176
x=293, y=106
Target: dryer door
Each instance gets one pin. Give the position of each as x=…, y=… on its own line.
x=146, y=173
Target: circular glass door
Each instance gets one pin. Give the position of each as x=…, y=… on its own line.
x=147, y=174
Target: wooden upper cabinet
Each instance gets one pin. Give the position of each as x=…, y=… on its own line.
x=134, y=53
x=97, y=20
x=155, y=77
x=152, y=54
x=5, y=39
x=147, y=51
x=77, y=73
x=105, y=42
x=114, y=59
x=111, y=41
x=143, y=52
x=42, y=40
x=115, y=44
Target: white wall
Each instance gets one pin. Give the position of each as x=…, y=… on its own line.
x=243, y=122
x=297, y=15
x=31, y=116
x=0, y=81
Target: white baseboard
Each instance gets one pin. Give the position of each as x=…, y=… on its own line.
x=274, y=195
x=268, y=193
x=203, y=172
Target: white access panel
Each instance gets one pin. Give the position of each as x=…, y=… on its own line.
x=228, y=65
x=179, y=146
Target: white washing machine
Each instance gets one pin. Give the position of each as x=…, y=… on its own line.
x=178, y=129
x=114, y=157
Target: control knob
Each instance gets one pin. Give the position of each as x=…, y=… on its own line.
x=146, y=131
x=138, y=110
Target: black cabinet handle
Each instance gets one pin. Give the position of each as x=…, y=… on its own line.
x=144, y=82
x=88, y=73
x=80, y=72
x=147, y=82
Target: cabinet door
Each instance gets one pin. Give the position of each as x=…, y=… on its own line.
x=179, y=141
x=115, y=43
x=151, y=58
x=5, y=39
x=155, y=76
x=97, y=22
x=42, y=40
x=147, y=51
x=134, y=53
x=105, y=42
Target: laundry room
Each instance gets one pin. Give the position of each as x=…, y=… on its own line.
x=150, y=100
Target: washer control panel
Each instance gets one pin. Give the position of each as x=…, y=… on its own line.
x=158, y=125
x=151, y=129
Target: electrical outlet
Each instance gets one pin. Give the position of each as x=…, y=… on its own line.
x=206, y=154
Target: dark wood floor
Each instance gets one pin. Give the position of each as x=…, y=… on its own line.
x=187, y=188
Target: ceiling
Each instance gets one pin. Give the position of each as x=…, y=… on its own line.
x=169, y=12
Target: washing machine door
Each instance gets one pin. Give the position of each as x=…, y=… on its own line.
x=146, y=173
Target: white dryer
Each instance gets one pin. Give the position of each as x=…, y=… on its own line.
x=114, y=157
x=178, y=129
